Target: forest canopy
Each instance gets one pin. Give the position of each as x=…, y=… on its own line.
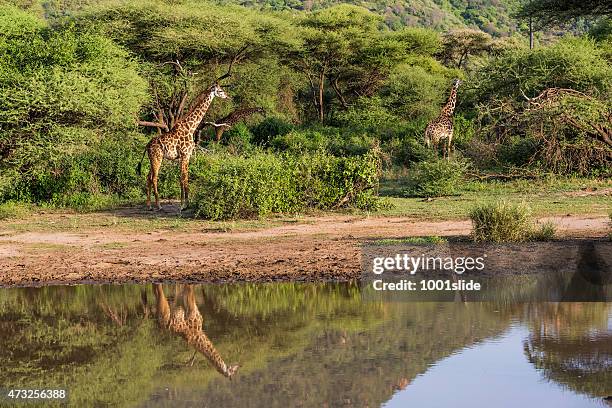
x=86, y=84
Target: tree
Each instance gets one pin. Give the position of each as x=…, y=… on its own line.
x=184, y=46
x=459, y=45
x=551, y=12
x=345, y=49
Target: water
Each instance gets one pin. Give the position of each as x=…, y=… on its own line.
x=300, y=345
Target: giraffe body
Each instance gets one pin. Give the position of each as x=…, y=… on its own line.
x=177, y=144
x=441, y=128
x=230, y=120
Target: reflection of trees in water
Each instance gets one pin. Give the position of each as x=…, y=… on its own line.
x=309, y=344
x=572, y=345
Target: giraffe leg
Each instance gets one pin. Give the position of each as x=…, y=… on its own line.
x=192, y=359
x=184, y=182
x=156, y=161
x=149, y=190
x=219, y=132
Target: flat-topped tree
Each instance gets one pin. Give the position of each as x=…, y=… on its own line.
x=178, y=143
x=551, y=12
x=180, y=45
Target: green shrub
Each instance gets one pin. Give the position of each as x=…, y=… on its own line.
x=298, y=141
x=546, y=232
x=239, y=139
x=230, y=187
x=269, y=128
x=504, y=222
x=501, y=222
x=435, y=178
x=407, y=151
x=12, y=209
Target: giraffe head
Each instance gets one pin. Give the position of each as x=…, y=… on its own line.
x=457, y=82
x=218, y=91
x=231, y=370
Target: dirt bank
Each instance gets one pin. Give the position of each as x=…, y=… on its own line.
x=314, y=248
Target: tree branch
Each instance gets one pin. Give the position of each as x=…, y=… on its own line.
x=153, y=124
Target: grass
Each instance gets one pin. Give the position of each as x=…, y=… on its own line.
x=546, y=197
x=12, y=209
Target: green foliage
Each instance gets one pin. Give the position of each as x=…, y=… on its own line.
x=550, y=12
x=61, y=93
x=546, y=232
x=12, y=209
x=435, y=178
x=575, y=63
x=269, y=128
x=501, y=222
x=417, y=90
x=229, y=187
x=569, y=125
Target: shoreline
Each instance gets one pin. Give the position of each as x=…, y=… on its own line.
x=315, y=249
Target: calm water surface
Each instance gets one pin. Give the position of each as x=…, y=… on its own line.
x=300, y=345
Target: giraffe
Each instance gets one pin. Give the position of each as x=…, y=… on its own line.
x=186, y=321
x=177, y=144
x=230, y=120
x=442, y=126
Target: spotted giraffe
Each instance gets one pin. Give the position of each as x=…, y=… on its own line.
x=442, y=127
x=177, y=144
x=230, y=120
x=186, y=321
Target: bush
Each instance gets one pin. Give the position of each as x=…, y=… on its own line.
x=435, y=178
x=546, y=232
x=230, y=187
x=269, y=128
x=504, y=222
x=12, y=209
x=61, y=93
x=564, y=129
x=501, y=222
x=90, y=178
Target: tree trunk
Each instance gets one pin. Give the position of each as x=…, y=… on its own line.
x=530, y=33
x=321, y=90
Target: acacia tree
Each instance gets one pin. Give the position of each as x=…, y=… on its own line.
x=459, y=45
x=550, y=12
x=183, y=46
x=345, y=49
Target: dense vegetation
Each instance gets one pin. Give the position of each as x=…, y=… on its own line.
x=346, y=91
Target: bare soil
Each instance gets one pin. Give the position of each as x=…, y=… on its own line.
x=314, y=248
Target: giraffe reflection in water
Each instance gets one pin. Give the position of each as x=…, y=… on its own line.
x=184, y=318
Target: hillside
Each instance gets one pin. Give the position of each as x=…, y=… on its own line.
x=491, y=16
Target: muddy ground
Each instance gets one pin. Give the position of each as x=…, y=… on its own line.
x=313, y=248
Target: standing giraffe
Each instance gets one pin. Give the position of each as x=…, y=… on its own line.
x=188, y=324
x=230, y=120
x=177, y=144
x=442, y=126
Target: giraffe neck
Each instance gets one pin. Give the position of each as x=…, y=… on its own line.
x=202, y=343
x=193, y=119
x=449, y=108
